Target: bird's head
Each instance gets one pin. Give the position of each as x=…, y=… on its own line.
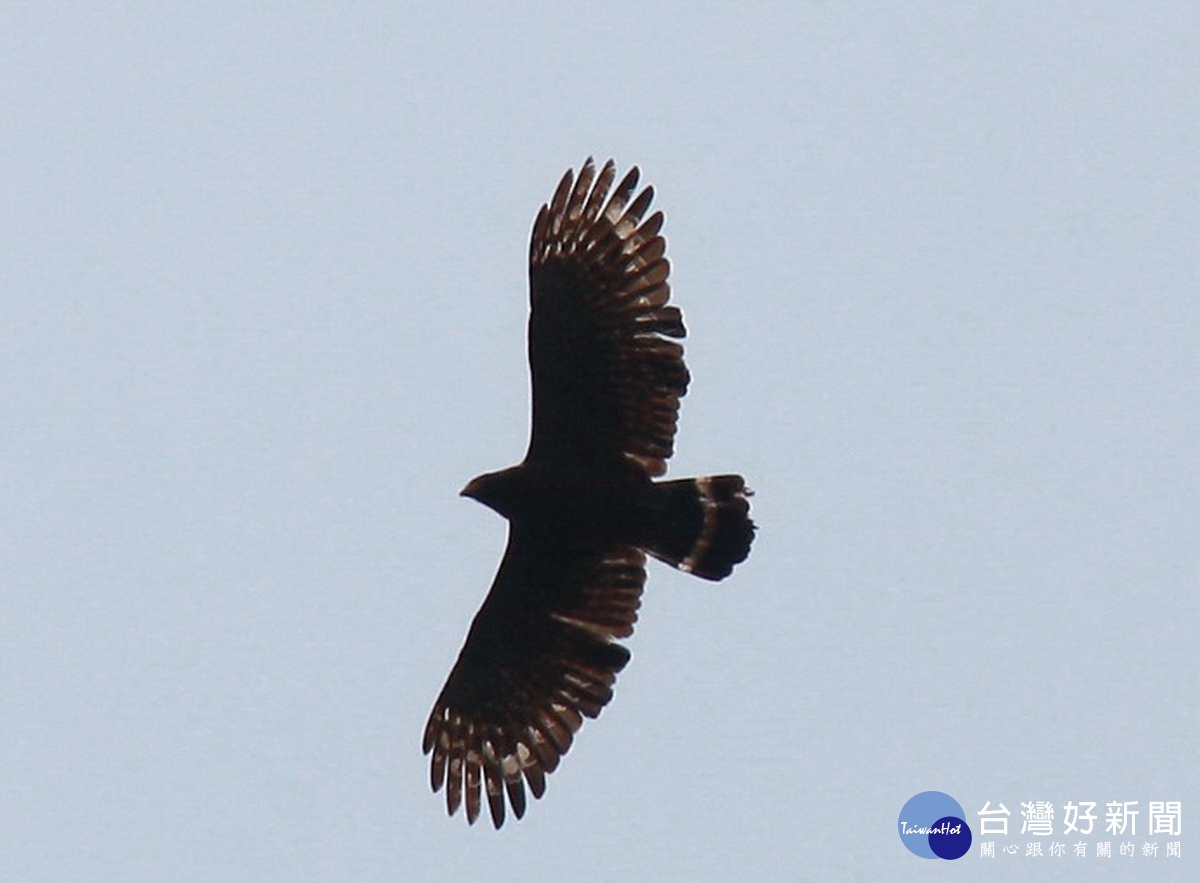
x=495, y=490
x=475, y=488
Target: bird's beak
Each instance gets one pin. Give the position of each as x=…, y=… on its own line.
x=471, y=490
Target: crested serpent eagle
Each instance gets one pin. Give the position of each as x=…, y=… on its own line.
x=583, y=510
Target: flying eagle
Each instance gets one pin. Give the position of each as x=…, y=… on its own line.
x=582, y=508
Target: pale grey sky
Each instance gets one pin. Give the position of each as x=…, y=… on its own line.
x=264, y=303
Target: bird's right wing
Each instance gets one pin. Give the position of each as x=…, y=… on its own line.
x=540, y=656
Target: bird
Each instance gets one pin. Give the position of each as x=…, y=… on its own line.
x=583, y=507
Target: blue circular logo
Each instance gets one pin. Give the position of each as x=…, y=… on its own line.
x=933, y=825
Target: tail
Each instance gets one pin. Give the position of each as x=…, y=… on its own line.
x=702, y=525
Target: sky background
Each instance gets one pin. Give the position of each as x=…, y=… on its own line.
x=263, y=281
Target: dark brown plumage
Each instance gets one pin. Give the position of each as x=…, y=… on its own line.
x=582, y=509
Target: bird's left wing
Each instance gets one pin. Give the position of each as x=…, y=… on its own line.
x=606, y=378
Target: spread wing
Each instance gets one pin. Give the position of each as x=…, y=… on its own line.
x=606, y=380
x=539, y=658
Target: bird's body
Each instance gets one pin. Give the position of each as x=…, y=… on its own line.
x=583, y=508
x=597, y=507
